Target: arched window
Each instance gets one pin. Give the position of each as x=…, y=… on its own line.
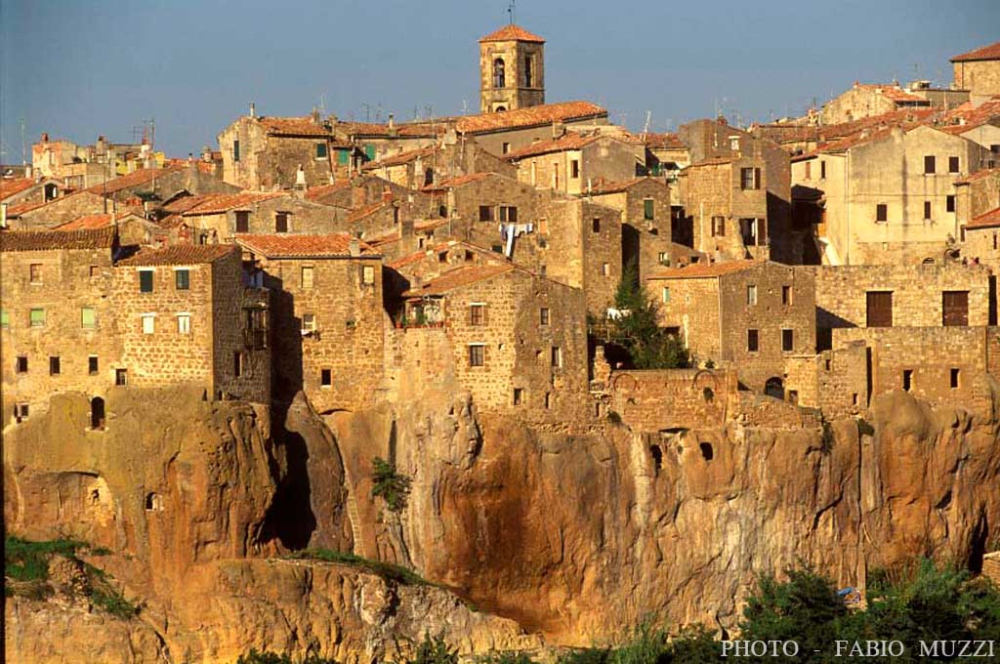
x=775, y=387
x=428, y=177
x=499, y=77
x=51, y=191
x=97, y=413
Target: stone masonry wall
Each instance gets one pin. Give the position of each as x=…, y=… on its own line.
x=692, y=305
x=651, y=401
x=229, y=323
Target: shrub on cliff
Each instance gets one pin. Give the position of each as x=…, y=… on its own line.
x=434, y=651
x=393, y=487
x=267, y=657
x=635, y=328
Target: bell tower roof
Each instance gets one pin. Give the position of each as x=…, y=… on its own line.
x=512, y=33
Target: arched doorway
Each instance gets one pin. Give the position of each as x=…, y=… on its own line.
x=97, y=417
x=775, y=387
x=499, y=73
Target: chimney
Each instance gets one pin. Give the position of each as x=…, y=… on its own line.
x=392, y=121
x=354, y=247
x=45, y=137
x=558, y=129
x=3, y=215
x=253, y=110
x=315, y=115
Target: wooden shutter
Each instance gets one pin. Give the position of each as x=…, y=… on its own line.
x=879, y=312
x=956, y=308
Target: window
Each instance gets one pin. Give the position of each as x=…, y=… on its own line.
x=326, y=377
x=529, y=71
x=786, y=295
x=499, y=75
x=822, y=170
x=308, y=277
x=37, y=318
x=949, y=203
x=543, y=226
x=20, y=411
x=145, y=281
x=508, y=213
x=35, y=273
x=184, y=323
x=321, y=151
x=878, y=309
x=750, y=232
x=182, y=279
x=4, y=318
x=881, y=212
x=665, y=295
x=368, y=275
x=927, y=209
x=557, y=358
x=92, y=365
x=953, y=381
x=148, y=323
x=242, y=221
x=95, y=271
x=477, y=355
x=505, y=147
x=663, y=257
x=55, y=366
x=542, y=270
x=308, y=323
x=121, y=377
x=21, y=365
x=649, y=209
x=955, y=308
x=751, y=295
x=907, y=379
x=596, y=225
x=518, y=396
x=543, y=316
x=485, y=213
x=953, y=164
x=929, y=165
x=606, y=269
x=787, y=340
x=808, y=170
x=718, y=226
x=477, y=314
x=749, y=178
x=88, y=318
x=236, y=150
x=574, y=169
x=237, y=363
x=752, y=341
x=281, y=222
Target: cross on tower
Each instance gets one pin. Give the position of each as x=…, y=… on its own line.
x=512, y=11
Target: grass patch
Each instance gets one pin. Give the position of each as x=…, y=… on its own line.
x=28, y=561
x=387, y=571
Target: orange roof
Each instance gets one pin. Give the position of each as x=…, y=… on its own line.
x=662, y=141
x=17, y=210
x=990, y=219
x=892, y=92
x=134, y=179
x=220, y=203
x=528, y=117
x=185, y=203
x=408, y=129
x=294, y=127
x=512, y=33
x=401, y=158
x=991, y=52
x=703, y=270
x=90, y=221
x=978, y=175
x=103, y=238
x=602, y=187
x=180, y=254
x=569, y=141
x=9, y=188
x=315, y=193
x=968, y=116
x=457, y=278
x=365, y=211
x=335, y=245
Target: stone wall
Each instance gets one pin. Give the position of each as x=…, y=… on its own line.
x=304, y=217
x=61, y=211
x=979, y=77
x=643, y=240
x=232, y=335
x=516, y=92
x=835, y=381
x=654, y=400
x=692, y=306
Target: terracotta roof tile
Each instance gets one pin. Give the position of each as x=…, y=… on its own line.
x=366, y=211
x=185, y=203
x=103, y=238
x=315, y=193
x=512, y=33
x=991, y=52
x=990, y=219
x=180, y=254
x=703, y=270
x=528, y=117
x=220, y=203
x=18, y=210
x=400, y=159
x=663, y=141
x=602, y=187
x=459, y=180
x=90, y=221
x=979, y=175
x=462, y=276
x=969, y=116
x=135, y=179
x=892, y=92
x=421, y=129
x=10, y=187
x=294, y=127
x=570, y=141
x=336, y=245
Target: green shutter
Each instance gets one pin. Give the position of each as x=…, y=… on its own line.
x=145, y=281
x=370, y=152
x=37, y=317
x=183, y=278
x=343, y=156
x=321, y=150
x=88, y=317
x=4, y=320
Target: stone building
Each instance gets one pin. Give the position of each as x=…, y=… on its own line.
x=978, y=71
x=511, y=70
x=751, y=315
x=184, y=316
x=725, y=208
x=30, y=191
x=666, y=155
x=870, y=99
x=888, y=196
x=327, y=316
x=58, y=211
x=574, y=162
x=644, y=204
x=518, y=341
x=979, y=123
x=501, y=133
x=218, y=217
x=977, y=204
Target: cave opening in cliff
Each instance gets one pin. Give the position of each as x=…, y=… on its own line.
x=978, y=545
x=97, y=413
x=290, y=518
x=706, y=451
x=657, y=457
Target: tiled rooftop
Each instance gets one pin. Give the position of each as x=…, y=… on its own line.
x=529, y=117
x=988, y=220
x=88, y=222
x=316, y=193
x=991, y=52
x=10, y=187
x=47, y=240
x=135, y=179
x=978, y=175
x=512, y=33
x=294, y=127
x=602, y=187
x=365, y=211
x=336, y=245
x=570, y=141
x=457, y=278
x=400, y=159
x=180, y=254
x=703, y=270
x=220, y=203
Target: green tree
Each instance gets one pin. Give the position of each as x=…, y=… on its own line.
x=637, y=331
x=435, y=651
x=393, y=487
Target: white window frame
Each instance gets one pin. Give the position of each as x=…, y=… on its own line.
x=151, y=327
x=184, y=323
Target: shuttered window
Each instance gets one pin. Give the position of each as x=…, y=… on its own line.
x=879, y=309
x=955, y=305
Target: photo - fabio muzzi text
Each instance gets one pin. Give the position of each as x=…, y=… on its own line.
x=986, y=649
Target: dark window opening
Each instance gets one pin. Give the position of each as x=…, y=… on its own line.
x=907, y=379
x=485, y=213
x=954, y=379
x=649, y=209
x=183, y=279
x=54, y=366
x=927, y=209
x=775, y=387
x=929, y=165
x=718, y=226
x=518, y=396
x=596, y=223
x=121, y=377
x=787, y=340
x=92, y=365
x=955, y=308
x=326, y=377
x=953, y=164
x=529, y=73
x=236, y=150
x=753, y=344
x=145, y=281
x=574, y=169
x=237, y=363
x=657, y=454
x=243, y=222
x=321, y=151
x=786, y=295
x=949, y=205
x=97, y=417
x=543, y=316
x=707, y=452
x=281, y=222
x=499, y=74
x=879, y=309
x=881, y=212
x=708, y=394
x=21, y=365
x=20, y=412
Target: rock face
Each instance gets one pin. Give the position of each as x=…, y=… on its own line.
x=571, y=534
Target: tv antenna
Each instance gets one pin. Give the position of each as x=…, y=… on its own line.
x=649, y=116
x=512, y=11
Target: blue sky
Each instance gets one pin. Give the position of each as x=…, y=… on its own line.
x=82, y=68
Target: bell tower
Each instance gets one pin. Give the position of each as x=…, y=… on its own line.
x=511, y=70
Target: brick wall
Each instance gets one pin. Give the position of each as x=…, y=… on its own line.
x=650, y=401
x=980, y=77
x=229, y=327
x=693, y=307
